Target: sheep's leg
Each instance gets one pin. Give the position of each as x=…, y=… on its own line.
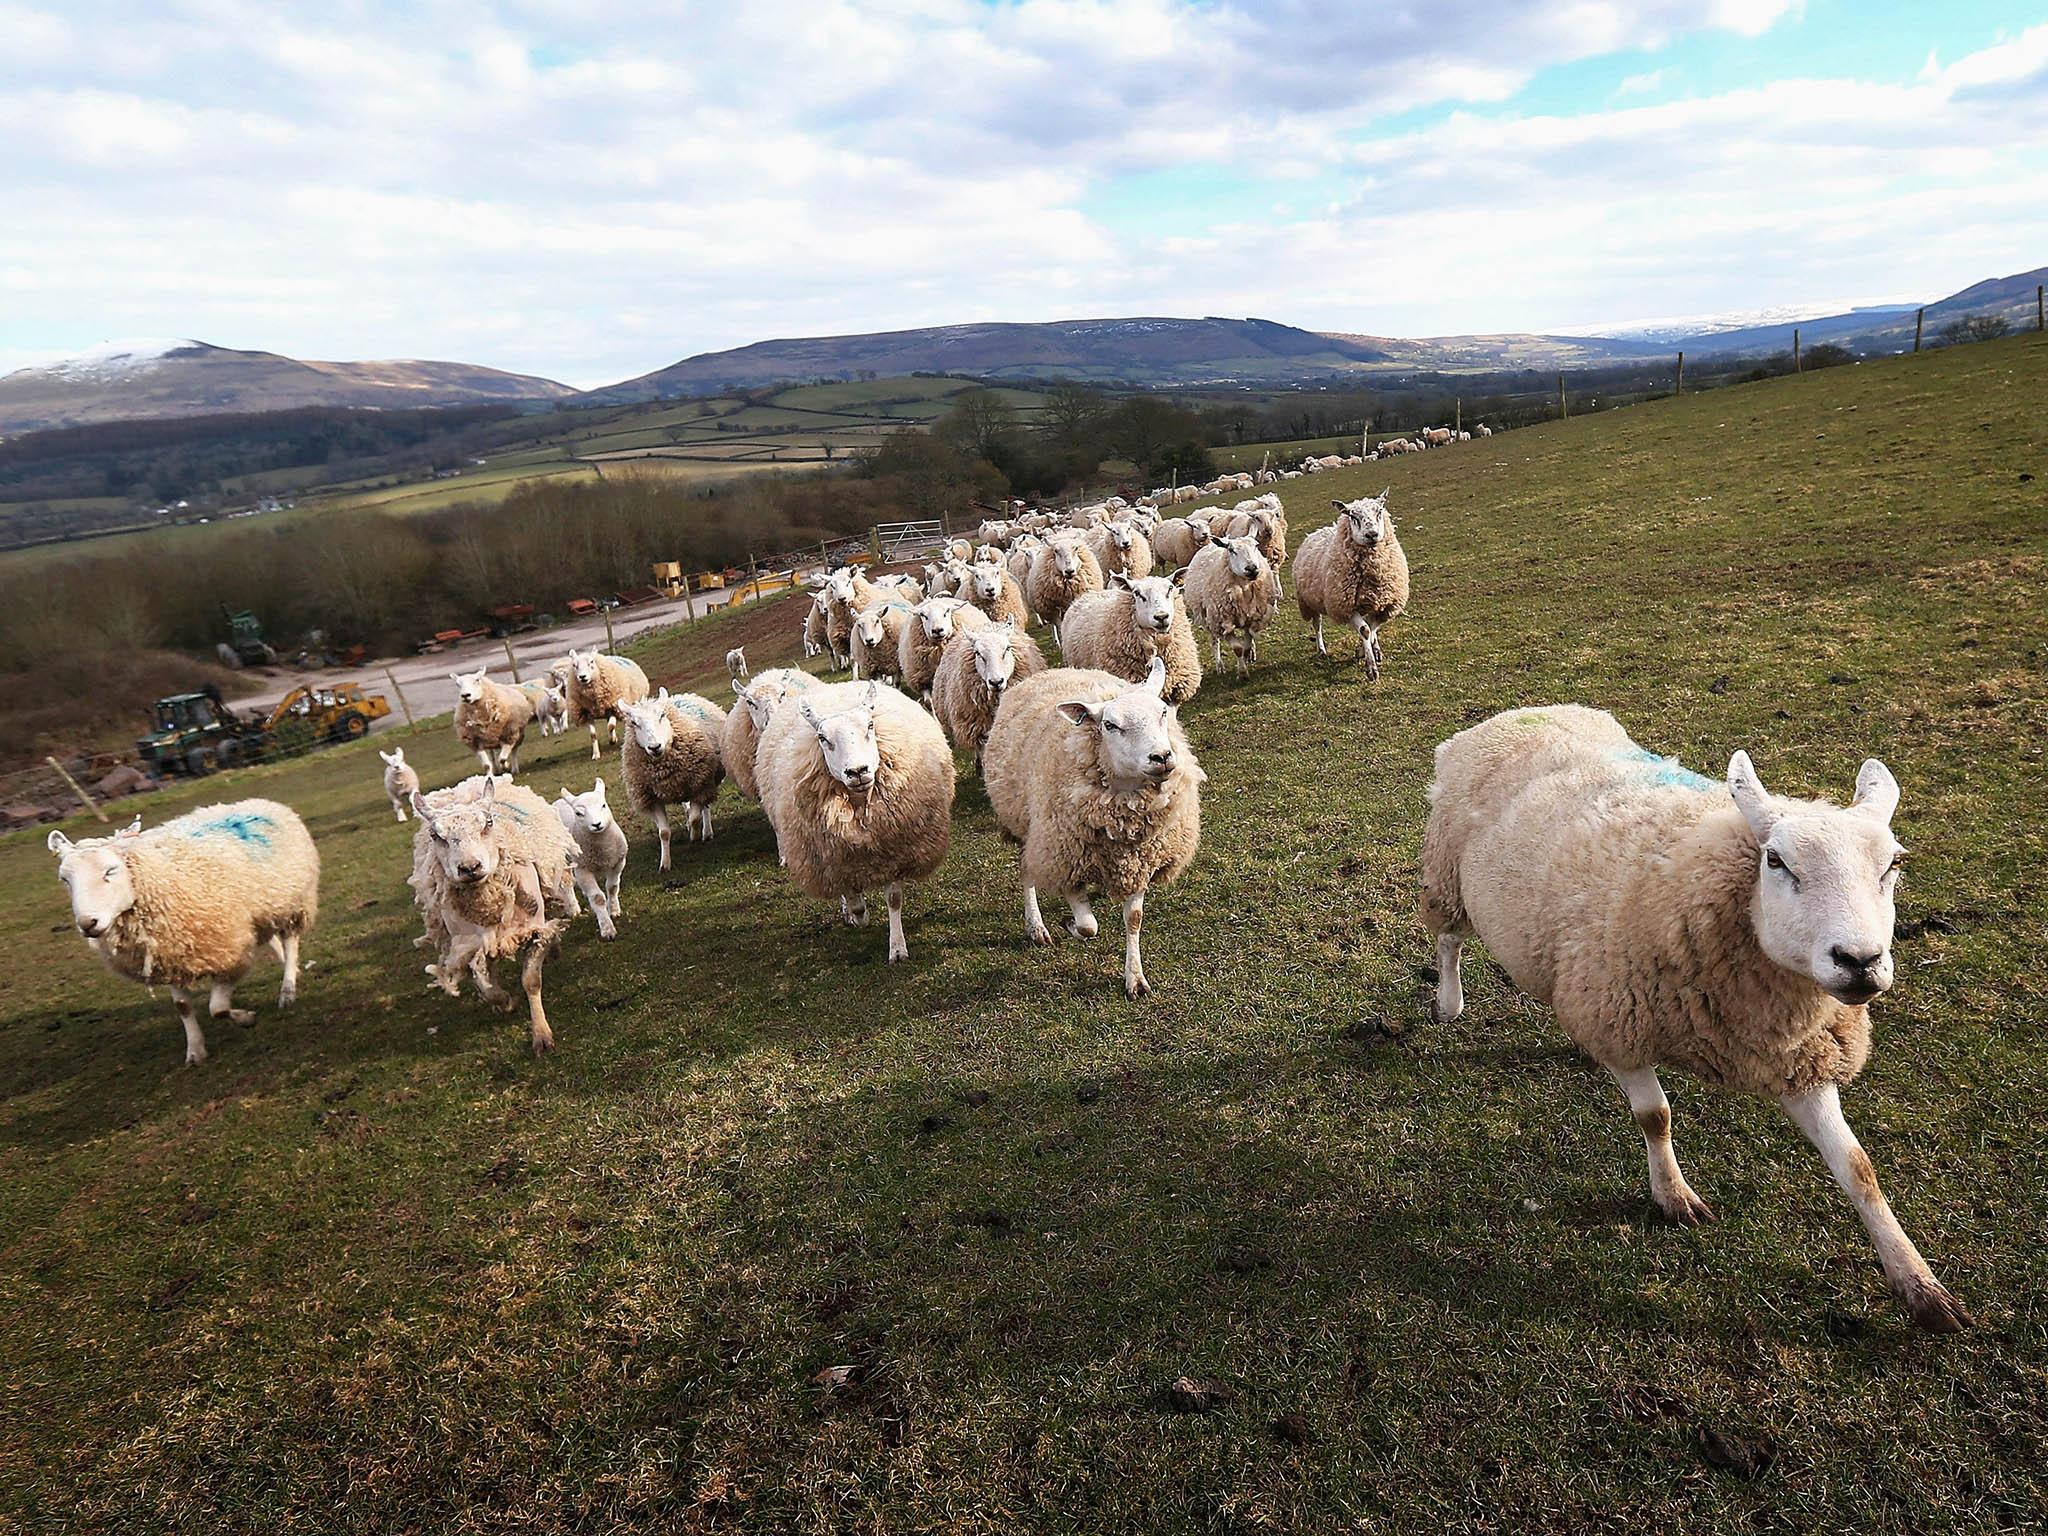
x=1219, y=652
x=221, y=1005
x=1322, y=649
x=661, y=831
x=704, y=814
x=1652, y=1110
x=288, y=956
x=576, y=883
x=398, y=809
x=1818, y=1113
x=600, y=905
x=1450, y=980
x=1034, y=923
x=485, y=758
x=854, y=909
x=529, y=979
x=611, y=894
x=595, y=754
x=899, y=947
x=195, y=1040
x=1135, y=984
x=614, y=721
x=1081, y=921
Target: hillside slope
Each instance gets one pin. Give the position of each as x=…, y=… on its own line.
x=375, y=1257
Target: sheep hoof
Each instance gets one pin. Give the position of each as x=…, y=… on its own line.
x=235, y=1015
x=543, y=1043
x=1079, y=930
x=898, y=953
x=1137, y=987
x=1934, y=1308
x=1685, y=1208
x=1039, y=934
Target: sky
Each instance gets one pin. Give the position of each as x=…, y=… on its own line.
x=590, y=191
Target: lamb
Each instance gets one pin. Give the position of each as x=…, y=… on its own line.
x=599, y=687
x=600, y=853
x=672, y=757
x=1093, y=776
x=490, y=862
x=749, y=716
x=491, y=719
x=858, y=785
x=1119, y=547
x=1233, y=593
x=1482, y=429
x=1061, y=571
x=186, y=903
x=878, y=637
x=1176, y=539
x=815, y=640
x=736, y=665
x=1121, y=629
x=1353, y=572
x=550, y=704
x=992, y=589
x=932, y=623
x=1667, y=919
x=846, y=593
x=1436, y=437
x=1265, y=521
x=401, y=779
x=977, y=666
x=958, y=549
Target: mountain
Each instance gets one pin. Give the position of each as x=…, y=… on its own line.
x=126, y=380
x=1888, y=329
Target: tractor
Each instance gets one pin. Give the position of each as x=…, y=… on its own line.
x=197, y=733
x=246, y=646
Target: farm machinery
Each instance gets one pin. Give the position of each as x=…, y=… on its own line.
x=197, y=733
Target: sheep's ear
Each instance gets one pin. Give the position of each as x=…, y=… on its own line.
x=133, y=829
x=1877, y=792
x=58, y=844
x=418, y=802
x=1119, y=579
x=1337, y=504
x=1155, y=676
x=490, y=786
x=1076, y=712
x=663, y=696
x=598, y=789
x=398, y=754
x=1751, y=798
x=803, y=707
x=1385, y=491
x=1180, y=579
x=1009, y=621
x=874, y=694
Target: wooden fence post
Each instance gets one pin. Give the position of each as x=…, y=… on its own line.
x=1918, y=321
x=392, y=678
x=1458, y=419
x=689, y=601
x=2040, y=309
x=511, y=660
x=1796, y=366
x=609, y=643
x=77, y=788
x=1561, y=413
x=1680, y=389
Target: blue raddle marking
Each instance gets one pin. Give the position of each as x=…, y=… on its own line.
x=1668, y=771
x=244, y=826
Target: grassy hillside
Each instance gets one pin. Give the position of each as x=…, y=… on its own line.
x=375, y=1268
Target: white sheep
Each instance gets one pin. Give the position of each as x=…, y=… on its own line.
x=673, y=756
x=736, y=665
x=992, y=589
x=550, y=704
x=847, y=591
x=1062, y=569
x=599, y=686
x=877, y=638
x=185, y=904
x=1233, y=593
x=491, y=719
x=601, y=850
x=1093, y=777
x=978, y=664
x=1121, y=629
x=932, y=623
x=401, y=779
x=815, y=638
x=1263, y=519
x=753, y=707
x=1176, y=539
x=1118, y=548
x=1482, y=429
x=858, y=784
x=1671, y=920
x=1353, y=572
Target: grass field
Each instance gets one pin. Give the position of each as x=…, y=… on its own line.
x=375, y=1269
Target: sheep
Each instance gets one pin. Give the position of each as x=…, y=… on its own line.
x=1482, y=429
x=400, y=779
x=599, y=686
x=491, y=719
x=992, y=589
x=672, y=757
x=186, y=903
x=977, y=666
x=550, y=704
x=600, y=852
x=858, y=785
x=1353, y=572
x=1017, y=561
x=815, y=640
x=846, y=593
x=877, y=637
x=1668, y=919
x=1464, y=437
x=490, y=862
x=1061, y=571
x=902, y=587
x=958, y=549
x=1092, y=775
x=1436, y=437
x=752, y=708
x=1176, y=539
x=736, y=665
x=1121, y=629
x=1119, y=547
x=1233, y=592
x=932, y=623
x=1265, y=521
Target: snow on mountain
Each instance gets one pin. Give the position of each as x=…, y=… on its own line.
x=114, y=359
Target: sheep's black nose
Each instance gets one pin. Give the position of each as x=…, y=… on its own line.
x=471, y=869
x=1854, y=962
x=89, y=926
x=1161, y=759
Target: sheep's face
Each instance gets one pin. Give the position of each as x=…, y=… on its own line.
x=936, y=618
x=995, y=655
x=1198, y=527
x=462, y=837
x=1134, y=730
x=761, y=698
x=868, y=626
x=1152, y=600
x=650, y=724
x=736, y=658
x=589, y=812
x=469, y=686
x=1247, y=561
x=1066, y=559
x=987, y=580
x=847, y=742
x=1827, y=881
x=1365, y=520
x=584, y=665
x=98, y=878
x=1120, y=537
x=395, y=758
x=840, y=584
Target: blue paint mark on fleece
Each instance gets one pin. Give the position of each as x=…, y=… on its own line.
x=1668, y=771
x=244, y=826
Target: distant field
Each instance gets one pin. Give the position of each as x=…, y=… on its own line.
x=376, y=1259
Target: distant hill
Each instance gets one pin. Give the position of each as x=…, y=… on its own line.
x=130, y=380
x=1866, y=330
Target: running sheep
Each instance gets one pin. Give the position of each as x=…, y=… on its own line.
x=1353, y=572
x=736, y=665
x=1121, y=629
x=1233, y=592
x=601, y=850
x=1061, y=570
x=1176, y=540
x=490, y=863
x=932, y=623
x=1264, y=520
x=846, y=593
x=599, y=687
x=877, y=636
x=550, y=704
x=491, y=719
x=672, y=757
x=992, y=589
x=1671, y=920
x=978, y=664
x=185, y=904
x=752, y=709
x=1093, y=777
x=1119, y=549
x=401, y=780
x=815, y=638
x=858, y=784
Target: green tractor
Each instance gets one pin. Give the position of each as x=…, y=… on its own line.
x=197, y=733
x=246, y=647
